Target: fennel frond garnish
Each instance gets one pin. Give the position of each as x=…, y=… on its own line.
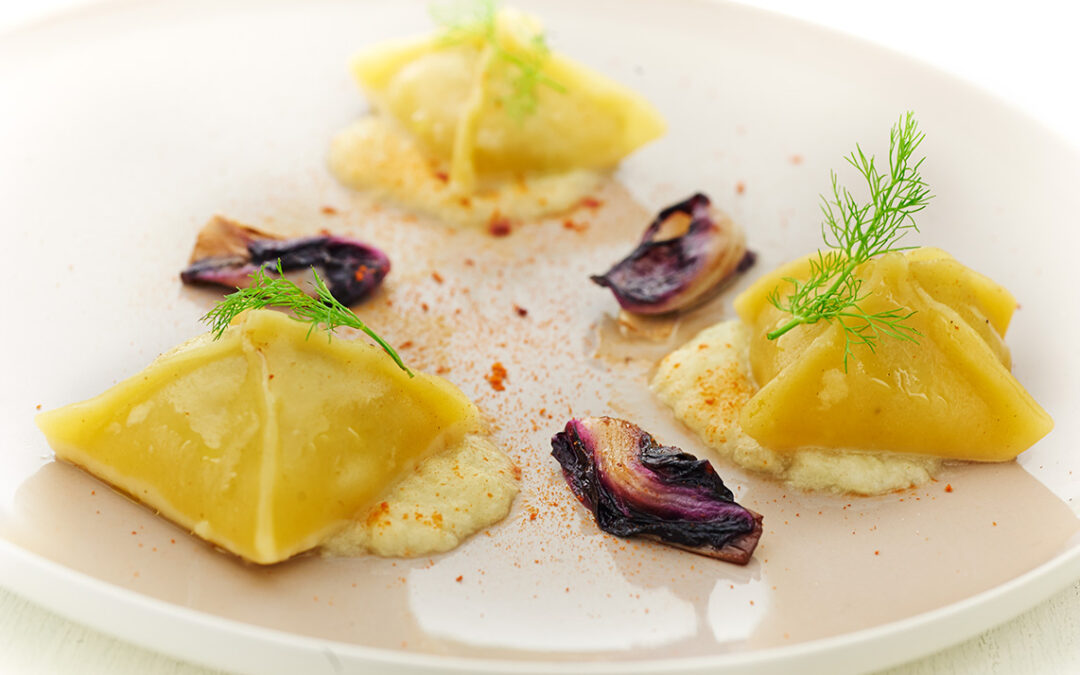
x=269, y=291
x=475, y=20
x=854, y=233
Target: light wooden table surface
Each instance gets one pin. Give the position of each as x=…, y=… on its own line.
x=1024, y=52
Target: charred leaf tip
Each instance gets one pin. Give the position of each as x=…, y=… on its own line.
x=658, y=492
x=679, y=262
x=234, y=256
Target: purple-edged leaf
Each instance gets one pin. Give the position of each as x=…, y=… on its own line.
x=686, y=253
x=636, y=487
x=227, y=253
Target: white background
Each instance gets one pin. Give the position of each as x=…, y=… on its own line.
x=1027, y=53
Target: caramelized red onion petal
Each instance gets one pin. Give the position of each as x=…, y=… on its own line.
x=227, y=253
x=668, y=274
x=636, y=487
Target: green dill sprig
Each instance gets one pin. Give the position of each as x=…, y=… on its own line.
x=467, y=20
x=855, y=233
x=268, y=291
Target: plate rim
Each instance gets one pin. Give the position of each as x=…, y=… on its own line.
x=44, y=582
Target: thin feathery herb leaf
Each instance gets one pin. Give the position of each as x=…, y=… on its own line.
x=855, y=233
x=268, y=291
x=468, y=20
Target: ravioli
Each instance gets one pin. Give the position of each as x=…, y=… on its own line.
x=263, y=442
x=707, y=382
x=453, y=96
x=375, y=155
x=488, y=109
x=949, y=395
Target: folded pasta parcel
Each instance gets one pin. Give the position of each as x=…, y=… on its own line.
x=483, y=110
x=950, y=394
x=866, y=366
x=264, y=442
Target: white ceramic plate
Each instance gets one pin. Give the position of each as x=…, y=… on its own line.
x=126, y=126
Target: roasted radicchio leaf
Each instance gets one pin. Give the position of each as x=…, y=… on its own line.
x=227, y=253
x=636, y=487
x=687, y=252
